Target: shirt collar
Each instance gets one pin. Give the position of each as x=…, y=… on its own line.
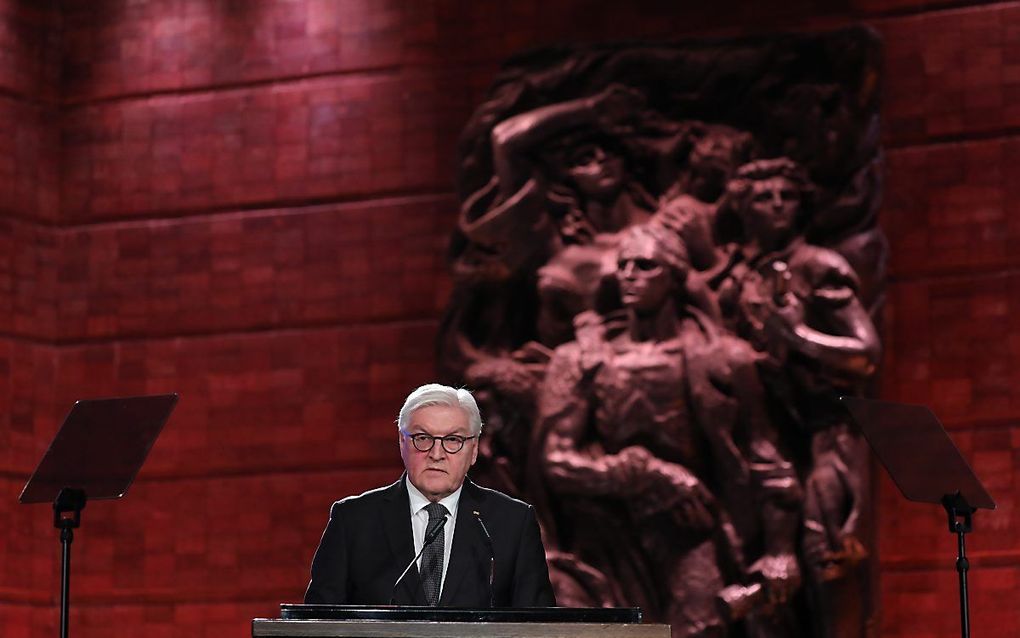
x=418, y=500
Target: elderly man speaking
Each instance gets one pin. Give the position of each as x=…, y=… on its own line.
x=433, y=537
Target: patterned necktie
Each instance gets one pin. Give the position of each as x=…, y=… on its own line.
x=432, y=557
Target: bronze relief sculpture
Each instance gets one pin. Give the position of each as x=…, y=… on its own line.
x=667, y=267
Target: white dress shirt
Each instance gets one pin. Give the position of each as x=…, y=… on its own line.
x=420, y=521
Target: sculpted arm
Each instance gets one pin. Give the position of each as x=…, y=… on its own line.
x=856, y=351
x=515, y=138
x=824, y=320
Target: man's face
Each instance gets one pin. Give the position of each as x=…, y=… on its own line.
x=644, y=282
x=437, y=473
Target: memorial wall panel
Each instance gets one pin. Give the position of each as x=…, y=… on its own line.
x=953, y=208
x=362, y=262
x=303, y=141
x=116, y=47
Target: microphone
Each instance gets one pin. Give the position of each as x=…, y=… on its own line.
x=492, y=559
x=429, y=539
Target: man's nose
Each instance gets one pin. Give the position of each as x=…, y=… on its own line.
x=628, y=269
x=437, y=452
x=777, y=199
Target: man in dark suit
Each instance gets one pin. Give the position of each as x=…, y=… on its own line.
x=478, y=546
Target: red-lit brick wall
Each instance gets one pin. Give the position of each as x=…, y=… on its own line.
x=29, y=198
x=248, y=202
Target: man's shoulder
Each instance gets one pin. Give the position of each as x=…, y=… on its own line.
x=371, y=499
x=495, y=499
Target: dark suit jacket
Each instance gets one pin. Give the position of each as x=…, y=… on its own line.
x=368, y=542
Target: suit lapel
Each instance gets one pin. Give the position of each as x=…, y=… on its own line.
x=397, y=525
x=468, y=546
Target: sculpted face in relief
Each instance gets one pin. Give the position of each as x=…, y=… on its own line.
x=771, y=213
x=644, y=281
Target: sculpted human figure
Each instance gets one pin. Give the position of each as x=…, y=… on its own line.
x=799, y=304
x=665, y=469
x=695, y=184
x=560, y=176
x=536, y=235
x=718, y=150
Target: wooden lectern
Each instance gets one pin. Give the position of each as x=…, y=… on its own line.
x=336, y=621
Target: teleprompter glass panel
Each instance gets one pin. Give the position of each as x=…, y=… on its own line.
x=920, y=457
x=100, y=447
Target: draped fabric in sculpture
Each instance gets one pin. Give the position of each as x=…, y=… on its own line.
x=667, y=269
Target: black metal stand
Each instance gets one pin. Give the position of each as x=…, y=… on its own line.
x=99, y=449
x=66, y=517
x=960, y=523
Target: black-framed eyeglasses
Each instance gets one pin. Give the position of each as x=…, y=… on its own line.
x=452, y=443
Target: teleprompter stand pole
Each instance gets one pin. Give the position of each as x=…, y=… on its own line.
x=927, y=467
x=960, y=523
x=66, y=517
x=96, y=452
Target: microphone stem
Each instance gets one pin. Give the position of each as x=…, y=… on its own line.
x=429, y=539
x=492, y=560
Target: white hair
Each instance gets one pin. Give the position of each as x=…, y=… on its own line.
x=438, y=394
